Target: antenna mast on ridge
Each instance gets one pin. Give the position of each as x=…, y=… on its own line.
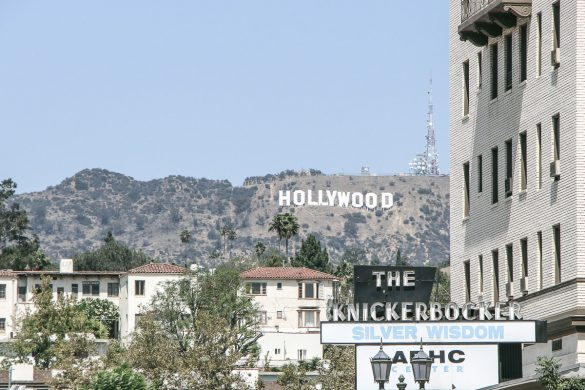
x=432, y=156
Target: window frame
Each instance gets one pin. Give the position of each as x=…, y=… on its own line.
x=111, y=290
x=250, y=288
x=92, y=286
x=139, y=287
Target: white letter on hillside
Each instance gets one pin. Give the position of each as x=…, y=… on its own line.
x=371, y=200
x=387, y=200
x=331, y=198
x=299, y=198
x=343, y=198
x=284, y=198
x=357, y=200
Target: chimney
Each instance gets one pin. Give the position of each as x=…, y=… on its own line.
x=194, y=267
x=66, y=266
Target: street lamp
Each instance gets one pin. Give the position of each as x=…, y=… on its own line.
x=421, y=367
x=381, y=364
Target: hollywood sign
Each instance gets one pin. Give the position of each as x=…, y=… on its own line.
x=369, y=200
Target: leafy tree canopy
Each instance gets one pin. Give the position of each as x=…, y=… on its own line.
x=111, y=256
x=122, y=377
x=311, y=255
x=549, y=376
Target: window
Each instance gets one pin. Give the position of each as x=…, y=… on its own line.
x=539, y=258
x=556, y=120
x=466, y=88
x=496, y=275
x=494, y=70
x=74, y=290
x=481, y=274
x=262, y=318
x=556, y=34
x=510, y=260
x=60, y=290
x=508, y=49
x=480, y=173
x=523, y=46
x=279, y=315
x=113, y=289
x=2, y=291
x=279, y=286
x=302, y=354
x=137, y=318
x=91, y=288
x=21, y=293
x=539, y=44
x=508, y=184
x=309, y=290
x=524, y=250
x=539, y=156
x=139, y=287
x=557, y=249
x=479, y=69
x=523, y=162
x=308, y=318
x=467, y=271
x=466, y=190
x=256, y=288
x=494, y=175
x=277, y=351
x=557, y=345
x=2, y=325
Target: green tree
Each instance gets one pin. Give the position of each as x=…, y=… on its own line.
x=103, y=311
x=18, y=251
x=400, y=260
x=547, y=369
x=337, y=369
x=294, y=377
x=442, y=287
x=185, y=236
x=311, y=255
x=111, y=256
x=286, y=226
x=228, y=233
x=122, y=377
x=196, y=331
x=272, y=258
x=259, y=248
x=56, y=331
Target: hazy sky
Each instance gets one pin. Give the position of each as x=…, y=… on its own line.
x=218, y=89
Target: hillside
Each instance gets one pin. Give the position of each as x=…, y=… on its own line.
x=76, y=214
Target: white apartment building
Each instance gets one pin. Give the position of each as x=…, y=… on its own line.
x=292, y=303
x=127, y=290
x=518, y=164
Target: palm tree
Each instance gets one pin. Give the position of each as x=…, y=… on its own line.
x=286, y=226
x=228, y=233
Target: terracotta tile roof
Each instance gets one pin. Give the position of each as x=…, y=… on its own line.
x=296, y=273
x=6, y=272
x=107, y=273
x=158, y=268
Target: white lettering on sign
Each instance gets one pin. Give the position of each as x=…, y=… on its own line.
x=329, y=198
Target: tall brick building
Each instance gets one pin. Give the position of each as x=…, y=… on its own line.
x=517, y=120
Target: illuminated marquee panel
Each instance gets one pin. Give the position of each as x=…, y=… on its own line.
x=467, y=367
x=454, y=332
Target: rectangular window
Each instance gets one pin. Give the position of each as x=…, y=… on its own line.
x=139, y=287
x=466, y=190
x=480, y=173
x=480, y=274
x=256, y=288
x=523, y=46
x=508, y=183
x=279, y=286
x=539, y=44
x=467, y=271
x=479, y=69
x=2, y=291
x=277, y=351
x=2, y=325
x=302, y=354
x=524, y=250
x=557, y=249
x=113, y=289
x=556, y=121
x=279, y=315
x=74, y=290
x=91, y=288
x=60, y=290
x=466, y=88
x=539, y=259
x=494, y=70
x=510, y=261
x=21, y=293
x=508, y=49
x=557, y=345
x=556, y=7
x=308, y=318
x=523, y=162
x=262, y=318
x=494, y=175
x=496, y=275
x=539, y=156
x=309, y=290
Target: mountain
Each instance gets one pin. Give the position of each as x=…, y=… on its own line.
x=76, y=215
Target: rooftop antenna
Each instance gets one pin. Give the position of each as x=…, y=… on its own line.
x=431, y=155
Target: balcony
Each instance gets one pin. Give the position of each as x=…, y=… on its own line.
x=483, y=19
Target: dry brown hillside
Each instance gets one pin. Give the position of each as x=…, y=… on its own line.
x=75, y=215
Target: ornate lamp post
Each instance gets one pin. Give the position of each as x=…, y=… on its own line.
x=381, y=364
x=421, y=367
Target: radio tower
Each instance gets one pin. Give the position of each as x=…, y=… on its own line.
x=431, y=154
x=427, y=163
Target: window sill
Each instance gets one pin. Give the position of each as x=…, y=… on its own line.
x=465, y=219
x=465, y=118
x=509, y=197
x=494, y=100
x=494, y=205
x=508, y=92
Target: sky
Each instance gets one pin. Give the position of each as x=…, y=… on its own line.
x=218, y=89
